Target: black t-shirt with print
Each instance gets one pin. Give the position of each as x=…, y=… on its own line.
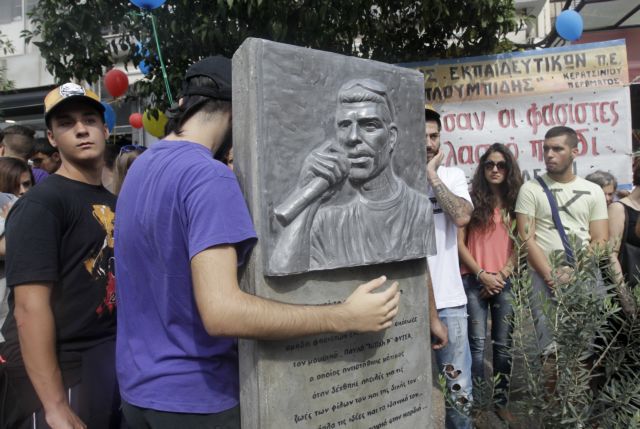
x=61, y=232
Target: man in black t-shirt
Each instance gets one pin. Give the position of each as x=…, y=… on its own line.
x=58, y=358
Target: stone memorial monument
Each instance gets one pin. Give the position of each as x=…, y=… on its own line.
x=329, y=151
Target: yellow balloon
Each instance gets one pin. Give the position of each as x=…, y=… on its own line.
x=154, y=126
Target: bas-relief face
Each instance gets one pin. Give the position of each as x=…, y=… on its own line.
x=364, y=131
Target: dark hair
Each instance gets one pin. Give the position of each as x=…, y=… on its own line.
x=191, y=104
x=10, y=171
x=19, y=140
x=484, y=201
x=432, y=115
x=18, y=130
x=572, y=136
x=42, y=145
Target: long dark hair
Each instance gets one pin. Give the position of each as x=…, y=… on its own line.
x=484, y=201
x=10, y=171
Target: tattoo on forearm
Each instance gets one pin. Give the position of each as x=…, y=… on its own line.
x=453, y=205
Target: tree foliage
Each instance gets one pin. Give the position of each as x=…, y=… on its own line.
x=7, y=48
x=70, y=34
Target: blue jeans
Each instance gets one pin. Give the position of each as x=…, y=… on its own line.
x=540, y=294
x=501, y=310
x=455, y=362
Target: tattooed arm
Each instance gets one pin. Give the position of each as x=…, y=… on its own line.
x=458, y=208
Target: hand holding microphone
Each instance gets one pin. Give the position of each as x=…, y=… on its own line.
x=322, y=170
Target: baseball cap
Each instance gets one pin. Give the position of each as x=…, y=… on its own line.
x=66, y=93
x=216, y=68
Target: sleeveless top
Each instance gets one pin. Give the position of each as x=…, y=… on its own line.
x=629, y=254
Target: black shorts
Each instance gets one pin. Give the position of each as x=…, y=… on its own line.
x=145, y=418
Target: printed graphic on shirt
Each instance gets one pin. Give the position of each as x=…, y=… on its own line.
x=100, y=264
x=576, y=196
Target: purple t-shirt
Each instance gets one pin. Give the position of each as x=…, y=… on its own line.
x=39, y=175
x=176, y=202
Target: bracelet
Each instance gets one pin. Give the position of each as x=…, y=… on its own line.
x=480, y=272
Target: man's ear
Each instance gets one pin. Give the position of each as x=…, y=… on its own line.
x=56, y=156
x=574, y=151
x=393, y=135
x=52, y=141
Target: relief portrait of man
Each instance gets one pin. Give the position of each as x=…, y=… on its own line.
x=385, y=221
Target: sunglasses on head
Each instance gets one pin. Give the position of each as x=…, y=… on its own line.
x=490, y=165
x=131, y=148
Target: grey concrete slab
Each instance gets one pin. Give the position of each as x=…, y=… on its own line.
x=285, y=108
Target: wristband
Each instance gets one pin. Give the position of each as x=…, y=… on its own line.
x=480, y=272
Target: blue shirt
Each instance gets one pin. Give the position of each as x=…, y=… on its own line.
x=176, y=201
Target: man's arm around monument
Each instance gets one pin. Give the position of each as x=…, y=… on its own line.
x=248, y=316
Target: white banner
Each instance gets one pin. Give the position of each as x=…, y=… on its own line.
x=602, y=120
x=515, y=98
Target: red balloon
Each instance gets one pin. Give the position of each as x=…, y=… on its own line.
x=135, y=119
x=116, y=82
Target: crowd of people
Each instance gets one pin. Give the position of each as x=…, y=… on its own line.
x=168, y=356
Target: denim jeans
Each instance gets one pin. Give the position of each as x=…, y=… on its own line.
x=541, y=293
x=501, y=310
x=455, y=362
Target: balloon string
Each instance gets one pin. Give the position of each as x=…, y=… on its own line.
x=162, y=66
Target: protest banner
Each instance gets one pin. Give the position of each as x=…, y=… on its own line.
x=515, y=98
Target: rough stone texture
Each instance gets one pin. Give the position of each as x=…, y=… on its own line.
x=331, y=380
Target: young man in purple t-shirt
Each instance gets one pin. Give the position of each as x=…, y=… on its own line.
x=182, y=228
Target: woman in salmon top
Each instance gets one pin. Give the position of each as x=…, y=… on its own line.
x=487, y=260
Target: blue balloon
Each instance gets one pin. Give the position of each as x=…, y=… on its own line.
x=148, y=4
x=144, y=66
x=569, y=25
x=109, y=116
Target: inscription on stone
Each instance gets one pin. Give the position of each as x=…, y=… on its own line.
x=340, y=393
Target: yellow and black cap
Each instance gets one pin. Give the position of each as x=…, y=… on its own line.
x=66, y=93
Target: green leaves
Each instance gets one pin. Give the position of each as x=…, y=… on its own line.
x=385, y=30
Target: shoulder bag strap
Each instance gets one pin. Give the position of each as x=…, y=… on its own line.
x=558, y=223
